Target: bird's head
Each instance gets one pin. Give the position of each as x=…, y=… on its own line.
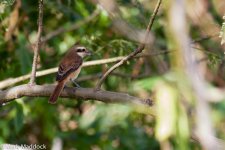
x=82, y=51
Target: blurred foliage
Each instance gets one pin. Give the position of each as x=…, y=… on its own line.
x=94, y=125
x=222, y=32
x=7, y=2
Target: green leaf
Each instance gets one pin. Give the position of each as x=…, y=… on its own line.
x=81, y=8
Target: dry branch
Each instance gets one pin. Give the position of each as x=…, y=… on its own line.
x=134, y=53
x=118, y=74
x=38, y=43
x=11, y=81
x=78, y=93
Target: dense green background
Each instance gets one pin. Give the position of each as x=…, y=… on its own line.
x=94, y=125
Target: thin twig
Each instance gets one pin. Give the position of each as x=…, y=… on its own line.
x=11, y=81
x=118, y=74
x=74, y=26
x=81, y=93
x=204, y=38
x=38, y=43
x=131, y=55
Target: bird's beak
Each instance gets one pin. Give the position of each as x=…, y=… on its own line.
x=88, y=52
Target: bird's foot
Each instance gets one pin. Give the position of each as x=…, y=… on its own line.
x=75, y=83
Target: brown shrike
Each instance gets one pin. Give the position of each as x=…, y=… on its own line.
x=69, y=69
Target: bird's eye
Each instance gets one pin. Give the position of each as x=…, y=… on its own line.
x=81, y=50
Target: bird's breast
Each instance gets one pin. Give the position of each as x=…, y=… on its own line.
x=76, y=73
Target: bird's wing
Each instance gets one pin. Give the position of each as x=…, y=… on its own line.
x=68, y=67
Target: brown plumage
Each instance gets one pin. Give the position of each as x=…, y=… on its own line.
x=69, y=68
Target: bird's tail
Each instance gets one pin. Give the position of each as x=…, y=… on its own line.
x=56, y=92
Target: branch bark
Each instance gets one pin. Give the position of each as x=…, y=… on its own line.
x=38, y=43
x=78, y=93
x=11, y=81
x=131, y=55
x=118, y=74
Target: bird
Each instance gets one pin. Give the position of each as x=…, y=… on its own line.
x=69, y=68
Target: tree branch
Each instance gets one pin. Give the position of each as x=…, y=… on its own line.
x=134, y=53
x=118, y=74
x=11, y=81
x=204, y=38
x=80, y=93
x=38, y=43
x=72, y=27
